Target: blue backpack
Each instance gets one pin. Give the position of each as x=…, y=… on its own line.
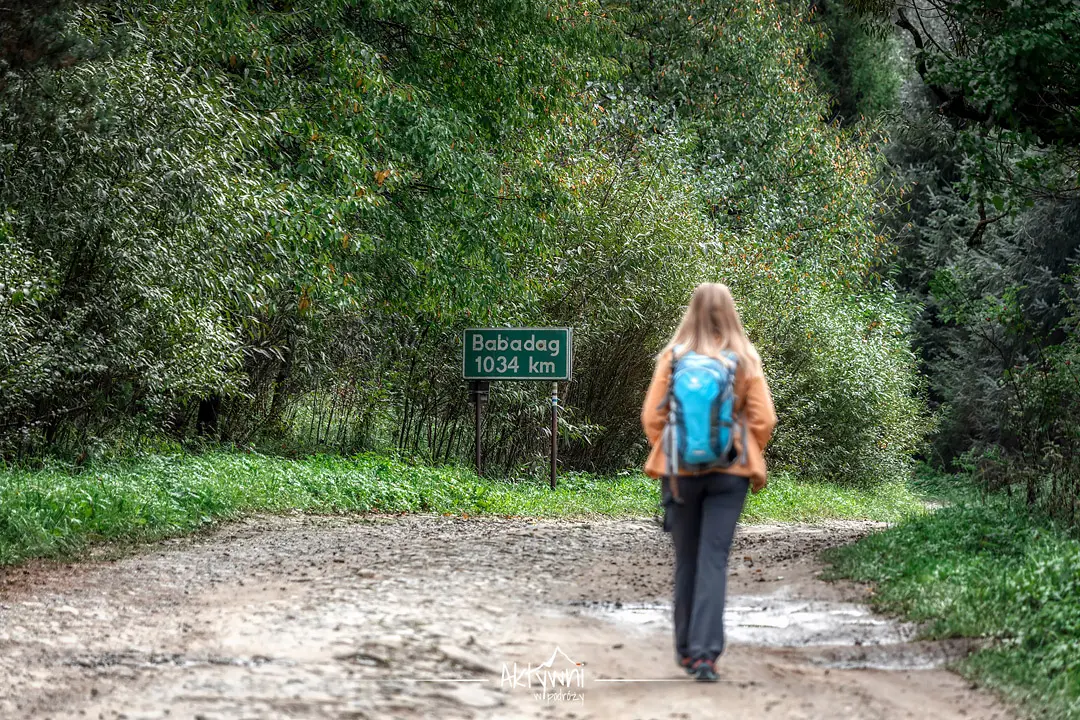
x=700, y=432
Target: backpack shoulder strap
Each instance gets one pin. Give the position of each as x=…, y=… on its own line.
x=666, y=402
x=670, y=439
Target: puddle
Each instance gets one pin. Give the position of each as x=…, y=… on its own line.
x=775, y=621
x=799, y=623
x=844, y=636
x=837, y=635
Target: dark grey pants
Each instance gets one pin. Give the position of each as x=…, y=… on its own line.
x=702, y=527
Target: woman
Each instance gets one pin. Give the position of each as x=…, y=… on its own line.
x=701, y=509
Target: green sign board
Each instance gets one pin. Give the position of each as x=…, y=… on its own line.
x=517, y=354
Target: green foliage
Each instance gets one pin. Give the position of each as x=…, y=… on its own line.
x=860, y=66
x=1015, y=66
x=290, y=211
x=998, y=339
x=985, y=144
x=986, y=571
x=843, y=382
x=788, y=225
x=1005, y=71
x=113, y=303
x=34, y=36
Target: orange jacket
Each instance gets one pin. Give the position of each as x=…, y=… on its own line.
x=753, y=403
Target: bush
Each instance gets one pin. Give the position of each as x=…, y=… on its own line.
x=272, y=227
x=844, y=383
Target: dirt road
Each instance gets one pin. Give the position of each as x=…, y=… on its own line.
x=445, y=617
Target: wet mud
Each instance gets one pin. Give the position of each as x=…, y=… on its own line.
x=420, y=616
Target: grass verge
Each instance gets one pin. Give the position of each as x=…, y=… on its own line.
x=789, y=500
x=54, y=512
x=988, y=571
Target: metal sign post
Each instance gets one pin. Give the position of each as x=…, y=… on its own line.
x=517, y=354
x=478, y=393
x=554, y=430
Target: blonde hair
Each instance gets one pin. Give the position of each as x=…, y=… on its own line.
x=712, y=325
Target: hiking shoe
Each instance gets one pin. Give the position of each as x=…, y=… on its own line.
x=687, y=663
x=704, y=671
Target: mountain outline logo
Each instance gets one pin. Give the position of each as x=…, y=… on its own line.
x=550, y=662
x=554, y=681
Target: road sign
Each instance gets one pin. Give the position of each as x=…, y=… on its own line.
x=517, y=354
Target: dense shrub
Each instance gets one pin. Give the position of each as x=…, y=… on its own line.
x=985, y=133
x=114, y=174
x=273, y=228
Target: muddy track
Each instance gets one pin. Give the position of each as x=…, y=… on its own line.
x=421, y=616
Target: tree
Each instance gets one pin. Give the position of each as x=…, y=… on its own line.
x=296, y=208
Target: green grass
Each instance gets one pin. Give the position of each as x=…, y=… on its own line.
x=789, y=500
x=987, y=571
x=54, y=511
